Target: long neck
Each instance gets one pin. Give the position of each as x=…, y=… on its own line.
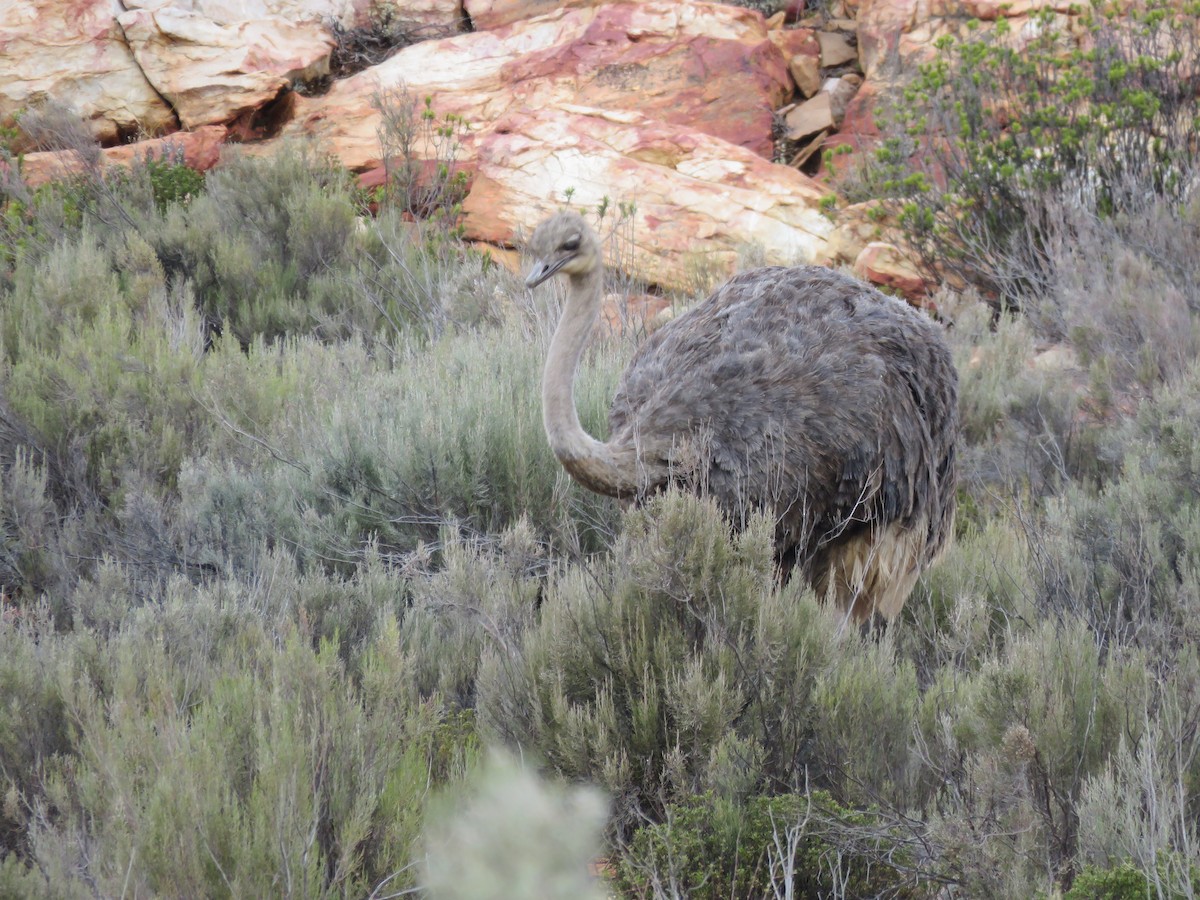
x=597, y=466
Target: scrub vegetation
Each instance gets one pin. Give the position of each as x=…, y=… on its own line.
x=286, y=562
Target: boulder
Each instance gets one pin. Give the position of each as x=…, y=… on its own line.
x=836, y=49
x=885, y=34
x=706, y=66
x=886, y=265
x=990, y=10
x=698, y=201
x=857, y=225
x=212, y=71
x=75, y=54
x=842, y=91
x=825, y=110
x=802, y=51
x=858, y=128
x=811, y=116
x=200, y=150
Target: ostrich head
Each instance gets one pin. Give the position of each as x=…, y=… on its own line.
x=563, y=243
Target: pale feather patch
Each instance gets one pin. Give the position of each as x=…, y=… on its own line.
x=874, y=573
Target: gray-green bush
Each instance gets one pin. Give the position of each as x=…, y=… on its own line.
x=282, y=549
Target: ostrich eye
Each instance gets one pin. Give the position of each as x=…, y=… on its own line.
x=571, y=244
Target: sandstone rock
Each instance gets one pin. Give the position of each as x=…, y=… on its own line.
x=842, y=91
x=200, y=150
x=348, y=13
x=884, y=264
x=711, y=67
x=488, y=14
x=858, y=128
x=212, y=71
x=810, y=117
x=435, y=14
x=882, y=26
x=823, y=111
x=633, y=314
x=894, y=36
x=699, y=200
x=806, y=72
x=794, y=9
x=801, y=49
x=836, y=50
x=807, y=149
x=74, y=54
x=855, y=229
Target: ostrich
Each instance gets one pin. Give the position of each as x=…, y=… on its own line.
x=799, y=392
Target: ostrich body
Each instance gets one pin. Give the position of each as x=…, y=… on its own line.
x=795, y=391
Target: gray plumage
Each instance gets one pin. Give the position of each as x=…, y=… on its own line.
x=798, y=391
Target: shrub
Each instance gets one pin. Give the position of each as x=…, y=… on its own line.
x=1004, y=754
x=216, y=744
x=420, y=157
x=252, y=241
x=1008, y=124
x=785, y=846
x=171, y=180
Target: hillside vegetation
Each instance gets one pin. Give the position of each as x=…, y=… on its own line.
x=284, y=559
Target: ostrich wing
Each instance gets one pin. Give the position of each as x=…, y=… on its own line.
x=809, y=393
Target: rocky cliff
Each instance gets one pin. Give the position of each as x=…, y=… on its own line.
x=703, y=118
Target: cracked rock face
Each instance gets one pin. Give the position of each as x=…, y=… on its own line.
x=698, y=202
x=76, y=53
x=152, y=66
x=710, y=67
x=211, y=71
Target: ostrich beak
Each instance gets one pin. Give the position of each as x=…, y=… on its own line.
x=543, y=269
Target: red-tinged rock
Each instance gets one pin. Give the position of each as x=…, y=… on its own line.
x=698, y=201
x=199, y=149
x=702, y=65
x=884, y=264
x=633, y=314
x=75, y=54
x=856, y=227
x=802, y=51
x=990, y=10
x=432, y=14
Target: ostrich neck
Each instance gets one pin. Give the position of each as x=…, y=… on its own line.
x=597, y=466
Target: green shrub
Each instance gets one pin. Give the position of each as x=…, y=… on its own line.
x=250, y=243
x=677, y=665
x=172, y=182
x=217, y=744
x=790, y=845
x=425, y=179
x=1005, y=753
x=1006, y=124
x=1125, y=882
